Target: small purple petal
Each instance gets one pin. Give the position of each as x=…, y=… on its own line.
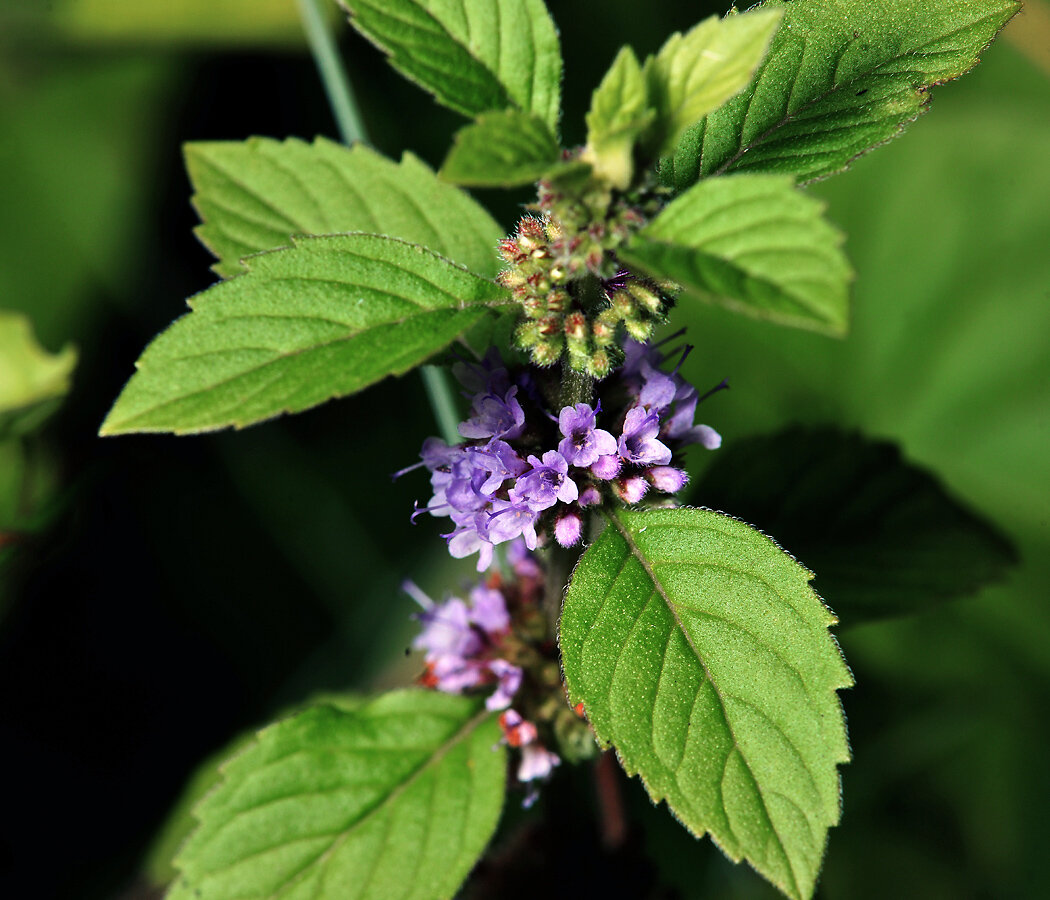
x=546, y=483
x=447, y=632
x=536, y=762
x=658, y=389
x=488, y=609
x=522, y=562
x=638, y=443
x=508, y=681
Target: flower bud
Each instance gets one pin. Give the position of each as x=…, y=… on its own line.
x=668, y=479
x=638, y=329
x=631, y=489
x=531, y=234
x=550, y=325
x=527, y=335
x=548, y=352
x=606, y=467
x=557, y=300
x=600, y=364
x=568, y=528
x=604, y=333
x=589, y=496
x=510, y=250
x=622, y=304
x=646, y=298
x=576, y=326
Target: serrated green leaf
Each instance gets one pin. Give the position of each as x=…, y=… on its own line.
x=323, y=319
x=841, y=77
x=501, y=149
x=619, y=114
x=883, y=535
x=754, y=243
x=395, y=799
x=253, y=195
x=474, y=56
x=32, y=381
x=695, y=73
x=702, y=655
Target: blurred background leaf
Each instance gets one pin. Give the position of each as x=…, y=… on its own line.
x=217, y=22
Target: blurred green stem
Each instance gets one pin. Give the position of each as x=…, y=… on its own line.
x=336, y=82
x=348, y=118
x=442, y=402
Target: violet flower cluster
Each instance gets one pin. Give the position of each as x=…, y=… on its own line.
x=467, y=645
x=515, y=476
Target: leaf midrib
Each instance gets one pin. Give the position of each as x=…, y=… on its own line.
x=454, y=740
x=628, y=538
x=744, y=148
x=282, y=357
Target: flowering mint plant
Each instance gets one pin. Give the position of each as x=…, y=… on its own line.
x=607, y=613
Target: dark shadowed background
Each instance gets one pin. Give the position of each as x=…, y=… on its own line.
x=186, y=589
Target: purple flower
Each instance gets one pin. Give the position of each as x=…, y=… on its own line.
x=489, y=376
x=508, y=680
x=447, y=631
x=567, y=529
x=658, y=389
x=454, y=675
x=488, y=609
x=638, y=443
x=545, y=483
x=495, y=416
x=536, y=762
x=465, y=540
x=583, y=443
x=510, y=519
x=521, y=560
x=498, y=459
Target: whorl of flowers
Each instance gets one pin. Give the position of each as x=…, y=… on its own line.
x=528, y=471
x=495, y=641
x=577, y=302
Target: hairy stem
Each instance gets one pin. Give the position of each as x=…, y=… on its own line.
x=351, y=128
x=576, y=387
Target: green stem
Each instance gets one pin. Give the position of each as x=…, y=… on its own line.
x=333, y=75
x=576, y=387
x=442, y=402
x=344, y=108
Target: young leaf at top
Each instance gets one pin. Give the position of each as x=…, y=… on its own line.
x=841, y=77
x=754, y=243
x=883, y=535
x=32, y=381
x=695, y=73
x=396, y=799
x=474, y=56
x=702, y=655
x=501, y=149
x=254, y=195
x=323, y=319
x=620, y=113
